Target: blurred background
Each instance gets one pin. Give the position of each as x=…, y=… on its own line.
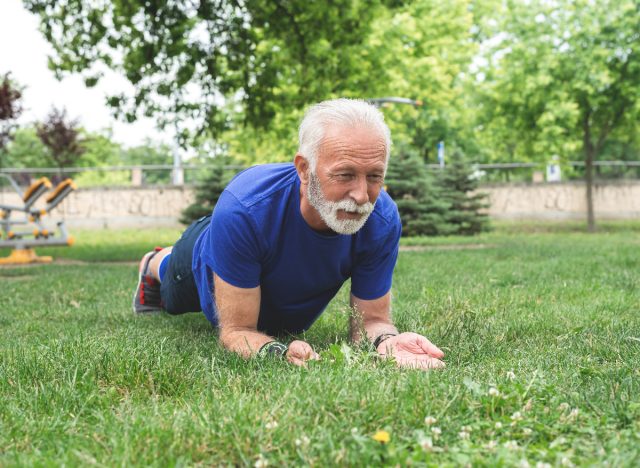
x=527, y=108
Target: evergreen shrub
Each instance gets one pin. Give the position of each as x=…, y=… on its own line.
x=436, y=203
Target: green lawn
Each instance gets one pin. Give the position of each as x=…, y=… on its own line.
x=541, y=331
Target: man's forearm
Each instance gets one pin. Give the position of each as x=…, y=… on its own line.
x=369, y=329
x=370, y=319
x=246, y=342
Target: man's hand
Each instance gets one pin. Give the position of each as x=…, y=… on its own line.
x=300, y=352
x=413, y=351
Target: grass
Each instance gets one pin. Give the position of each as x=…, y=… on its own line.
x=541, y=331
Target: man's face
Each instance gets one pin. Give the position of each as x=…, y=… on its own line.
x=348, y=179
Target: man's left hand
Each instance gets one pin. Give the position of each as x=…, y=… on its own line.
x=413, y=351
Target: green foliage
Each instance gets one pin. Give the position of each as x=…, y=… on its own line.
x=563, y=77
x=420, y=204
x=458, y=190
x=208, y=191
x=149, y=154
x=436, y=203
x=181, y=58
x=26, y=150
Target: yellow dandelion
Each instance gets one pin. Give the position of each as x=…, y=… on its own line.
x=382, y=436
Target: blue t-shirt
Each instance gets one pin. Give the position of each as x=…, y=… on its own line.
x=258, y=237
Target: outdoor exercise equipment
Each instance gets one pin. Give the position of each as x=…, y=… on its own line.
x=24, y=240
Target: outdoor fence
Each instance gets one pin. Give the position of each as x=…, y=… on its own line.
x=192, y=174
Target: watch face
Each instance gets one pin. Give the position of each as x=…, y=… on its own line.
x=273, y=348
x=278, y=348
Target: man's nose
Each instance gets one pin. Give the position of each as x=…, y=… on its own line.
x=359, y=191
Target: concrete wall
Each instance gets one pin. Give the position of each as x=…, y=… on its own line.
x=157, y=207
x=117, y=207
x=563, y=201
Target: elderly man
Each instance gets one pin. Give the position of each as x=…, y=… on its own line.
x=282, y=240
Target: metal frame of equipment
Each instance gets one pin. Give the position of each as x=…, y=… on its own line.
x=23, y=240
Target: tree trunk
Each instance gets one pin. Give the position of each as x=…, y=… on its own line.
x=591, y=220
x=589, y=150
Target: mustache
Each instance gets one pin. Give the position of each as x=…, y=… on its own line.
x=352, y=207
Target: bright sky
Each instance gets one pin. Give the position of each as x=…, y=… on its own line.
x=23, y=52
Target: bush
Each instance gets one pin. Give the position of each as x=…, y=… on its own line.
x=435, y=203
x=208, y=192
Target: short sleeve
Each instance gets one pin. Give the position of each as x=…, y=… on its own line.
x=232, y=248
x=372, y=274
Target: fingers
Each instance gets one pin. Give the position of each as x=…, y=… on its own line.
x=424, y=364
x=429, y=348
x=300, y=352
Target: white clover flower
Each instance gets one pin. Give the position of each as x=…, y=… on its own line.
x=517, y=416
x=523, y=463
x=566, y=461
x=463, y=435
x=436, y=430
x=498, y=425
x=426, y=443
x=430, y=420
x=466, y=428
x=574, y=413
x=354, y=430
x=271, y=425
x=494, y=392
x=491, y=445
x=511, y=375
x=563, y=406
x=543, y=465
x=526, y=431
x=511, y=445
x=261, y=462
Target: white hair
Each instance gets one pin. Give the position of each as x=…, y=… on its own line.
x=350, y=113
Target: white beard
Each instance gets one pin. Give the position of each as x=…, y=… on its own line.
x=328, y=210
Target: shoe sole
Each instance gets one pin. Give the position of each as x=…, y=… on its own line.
x=144, y=263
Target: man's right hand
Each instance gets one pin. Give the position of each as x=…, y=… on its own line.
x=300, y=352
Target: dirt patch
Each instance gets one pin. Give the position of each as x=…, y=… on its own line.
x=424, y=248
x=65, y=261
x=16, y=277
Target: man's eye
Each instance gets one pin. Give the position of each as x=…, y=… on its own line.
x=345, y=176
x=375, y=178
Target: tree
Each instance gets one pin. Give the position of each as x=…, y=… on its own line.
x=421, y=207
x=150, y=154
x=10, y=110
x=565, y=77
x=458, y=190
x=423, y=47
x=61, y=138
x=208, y=192
x=184, y=58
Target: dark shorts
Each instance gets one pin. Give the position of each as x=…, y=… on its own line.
x=178, y=289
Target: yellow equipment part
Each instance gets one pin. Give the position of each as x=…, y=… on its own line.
x=61, y=186
x=22, y=256
x=35, y=186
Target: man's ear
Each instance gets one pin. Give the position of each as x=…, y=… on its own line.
x=302, y=167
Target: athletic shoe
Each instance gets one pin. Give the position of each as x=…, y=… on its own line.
x=147, y=296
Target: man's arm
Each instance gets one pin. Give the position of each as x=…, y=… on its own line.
x=372, y=318
x=238, y=311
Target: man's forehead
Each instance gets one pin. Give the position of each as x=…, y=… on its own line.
x=366, y=142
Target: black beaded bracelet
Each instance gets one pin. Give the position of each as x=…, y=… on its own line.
x=272, y=348
x=381, y=338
